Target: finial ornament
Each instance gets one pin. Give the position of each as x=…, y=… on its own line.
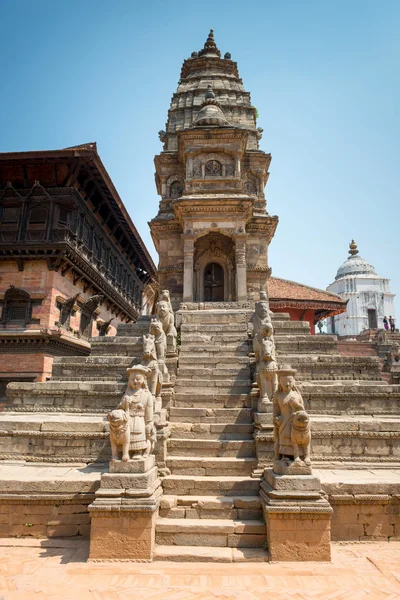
x=353, y=248
x=210, y=47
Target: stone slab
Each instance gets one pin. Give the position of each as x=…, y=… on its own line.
x=141, y=465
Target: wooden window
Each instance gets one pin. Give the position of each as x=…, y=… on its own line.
x=17, y=307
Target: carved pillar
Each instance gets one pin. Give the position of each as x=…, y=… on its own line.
x=188, y=251
x=240, y=254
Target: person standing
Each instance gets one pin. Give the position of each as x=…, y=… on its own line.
x=391, y=323
x=385, y=323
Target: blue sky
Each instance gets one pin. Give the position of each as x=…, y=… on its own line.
x=323, y=75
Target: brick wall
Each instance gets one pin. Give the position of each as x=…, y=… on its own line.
x=37, y=279
x=37, y=366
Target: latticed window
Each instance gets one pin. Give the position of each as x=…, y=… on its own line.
x=64, y=216
x=10, y=214
x=17, y=306
x=9, y=222
x=38, y=215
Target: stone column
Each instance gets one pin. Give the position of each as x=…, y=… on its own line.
x=188, y=250
x=241, y=279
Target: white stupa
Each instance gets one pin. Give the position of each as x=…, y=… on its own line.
x=369, y=297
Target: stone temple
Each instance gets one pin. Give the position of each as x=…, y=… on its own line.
x=236, y=435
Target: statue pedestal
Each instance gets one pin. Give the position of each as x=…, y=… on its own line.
x=264, y=438
x=297, y=517
x=125, y=511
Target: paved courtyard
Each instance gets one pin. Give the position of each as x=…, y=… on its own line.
x=57, y=569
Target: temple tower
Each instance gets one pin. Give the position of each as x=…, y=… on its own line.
x=212, y=230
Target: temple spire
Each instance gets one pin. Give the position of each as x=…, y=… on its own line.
x=353, y=248
x=210, y=47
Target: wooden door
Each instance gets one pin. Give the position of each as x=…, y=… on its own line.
x=213, y=283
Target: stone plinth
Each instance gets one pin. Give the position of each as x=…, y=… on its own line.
x=297, y=517
x=264, y=438
x=125, y=511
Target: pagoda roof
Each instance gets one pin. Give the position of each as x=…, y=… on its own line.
x=88, y=155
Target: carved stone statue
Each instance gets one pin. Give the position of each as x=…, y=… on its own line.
x=291, y=426
x=166, y=316
x=149, y=360
x=132, y=429
x=264, y=349
x=160, y=341
x=262, y=313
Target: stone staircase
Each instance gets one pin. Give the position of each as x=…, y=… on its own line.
x=210, y=509
x=211, y=500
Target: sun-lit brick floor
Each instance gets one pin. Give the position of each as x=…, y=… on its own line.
x=57, y=569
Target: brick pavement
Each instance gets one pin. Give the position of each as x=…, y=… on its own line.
x=57, y=569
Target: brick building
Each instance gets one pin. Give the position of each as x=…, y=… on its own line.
x=72, y=264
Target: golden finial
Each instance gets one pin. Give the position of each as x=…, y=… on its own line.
x=353, y=248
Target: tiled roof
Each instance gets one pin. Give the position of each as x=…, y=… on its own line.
x=284, y=294
x=283, y=289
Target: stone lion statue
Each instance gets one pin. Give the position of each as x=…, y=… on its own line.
x=119, y=433
x=166, y=315
x=301, y=436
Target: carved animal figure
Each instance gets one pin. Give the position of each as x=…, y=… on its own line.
x=301, y=435
x=160, y=340
x=151, y=441
x=166, y=316
x=149, y=360
x=119, y=433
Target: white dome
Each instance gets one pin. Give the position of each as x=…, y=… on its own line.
x=355, y=265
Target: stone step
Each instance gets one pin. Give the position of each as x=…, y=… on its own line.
x=210, y=431
x=207, y=415
x=291, y=327
x=217, y=338
x=218, y=360
x=211, y=507
x=198, y=372
x=306, y=344
x=196, y=485
x=210, y=532
x=209, y=554
x=215, y=317
x=215, y=327
x=211, y=399
x=74, y=396
x=206, y=350
x=225, y=385
x=333, y=367
x=101, y=367
x=201, y=447
x=117, y=346
x=351, y=397
x=101, y=361
x=196, y=465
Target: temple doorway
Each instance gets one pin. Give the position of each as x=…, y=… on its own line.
x=213, y=283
